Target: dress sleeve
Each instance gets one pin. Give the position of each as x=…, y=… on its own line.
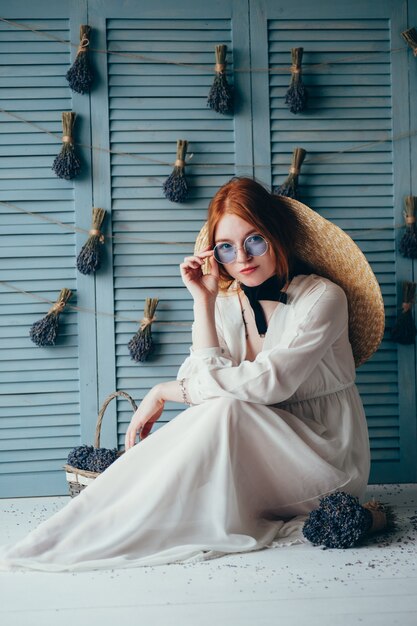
x=206, y=358
x=276, y=373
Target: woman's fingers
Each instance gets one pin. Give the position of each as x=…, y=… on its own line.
x=131, y=434
x=194, y=262
x=214, y=267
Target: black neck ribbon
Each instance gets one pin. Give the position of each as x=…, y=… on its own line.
x=270, y=289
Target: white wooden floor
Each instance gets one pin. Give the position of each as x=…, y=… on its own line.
x=375, y=584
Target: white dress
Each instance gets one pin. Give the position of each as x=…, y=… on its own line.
x=239, y=470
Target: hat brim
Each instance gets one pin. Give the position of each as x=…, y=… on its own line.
x=331, y=253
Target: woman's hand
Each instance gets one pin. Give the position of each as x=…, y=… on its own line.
x=201, y=286
x=148, y=412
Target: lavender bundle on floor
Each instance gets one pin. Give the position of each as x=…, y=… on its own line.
x=175, y=187
x=290, y=187
x=89, y=258
x=44, y=331
x=341, y=522
x=141, y=345
x=220, y=97
x=408, y=243
x=79, y=75
x=67, y=164
x=404, y=330
x=297, y=95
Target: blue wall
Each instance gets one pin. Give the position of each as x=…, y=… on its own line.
x=357, y=171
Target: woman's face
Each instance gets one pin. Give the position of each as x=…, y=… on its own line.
x=249, y=270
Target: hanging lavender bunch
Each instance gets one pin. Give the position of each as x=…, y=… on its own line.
x=404, y=330
x=408, y=243
x=410, y=36
x=141, y=344
x=220, y=97
x=89, y=258
x=67, y=164
x=290, y=186
x=175, y=187
x=79, y=76
x=297, y=95
x=341, y=522
x=44, y=331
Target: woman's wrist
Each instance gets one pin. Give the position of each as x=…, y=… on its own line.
x=204, y=304
x=173, y=391
x=158, y=392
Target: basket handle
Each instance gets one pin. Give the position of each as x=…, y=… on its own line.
x=104, y=407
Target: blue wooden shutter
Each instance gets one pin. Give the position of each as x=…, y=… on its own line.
x=359, y=99
x=40, y=388
x=151, y=104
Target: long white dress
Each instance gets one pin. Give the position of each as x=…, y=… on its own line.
x=241, y=468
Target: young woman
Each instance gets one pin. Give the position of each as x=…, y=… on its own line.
x=274, y=420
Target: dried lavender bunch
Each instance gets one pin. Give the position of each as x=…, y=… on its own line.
x=341, y=522
x=79, y=76
x=141, y=345
x=220, y=97
x=91, y=459
x=297, y=95
x=101, y=458
x=290, y=186
x=89, y=258
x=80, y=457
x=404, y=330
x=408, y=243
x=175, y=187
x=44, y=331
x=67, y=164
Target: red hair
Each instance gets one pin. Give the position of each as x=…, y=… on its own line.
x=250, y=201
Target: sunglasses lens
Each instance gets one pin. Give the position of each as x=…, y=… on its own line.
x=256, y=245
x=224, y=253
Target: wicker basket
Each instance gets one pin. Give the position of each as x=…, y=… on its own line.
x=79, y=479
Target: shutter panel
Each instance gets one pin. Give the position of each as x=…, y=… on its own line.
x=39, y=387
x=350, y=105
x=151, y=105
x=174, y=103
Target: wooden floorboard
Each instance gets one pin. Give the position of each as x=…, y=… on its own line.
x=301, y=584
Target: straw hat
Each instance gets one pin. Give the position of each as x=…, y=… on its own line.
x=331, y=253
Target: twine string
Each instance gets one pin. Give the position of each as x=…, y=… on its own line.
x=196, y=66
x=379, y=517
x=146, y=321
x=379, y=520
x=314, y=159
x=84, y=43
x=116, y=316
x=57, y=307
x=122, y=237
x=95, y=231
